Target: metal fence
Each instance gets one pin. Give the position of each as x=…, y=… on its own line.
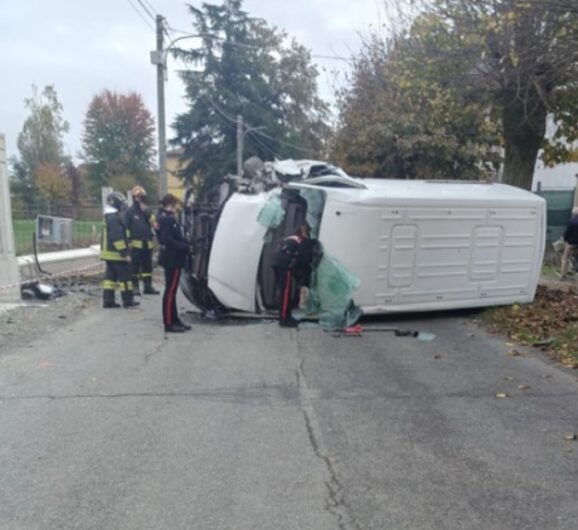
x=559, y=205
x=59, y=227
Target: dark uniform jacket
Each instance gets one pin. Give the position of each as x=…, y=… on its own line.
x=571, y=232
x=296, y=254
x=139, y=225
x=114, y=242
x=174, y=246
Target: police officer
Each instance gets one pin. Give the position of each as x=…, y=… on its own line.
x=292, y=262
x=114, y=250
x=173, y=254
x=138, y=220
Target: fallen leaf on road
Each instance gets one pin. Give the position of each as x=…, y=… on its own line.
x=501, y=395
x=514, y=353
x=508, y=378
x=509, y=344
x=523, y=387
x=571, y=437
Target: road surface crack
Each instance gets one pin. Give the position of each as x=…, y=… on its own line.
x=156, y=351
x=335, y=502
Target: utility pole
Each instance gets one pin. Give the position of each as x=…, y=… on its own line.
x=240, y=136
x=163, y=185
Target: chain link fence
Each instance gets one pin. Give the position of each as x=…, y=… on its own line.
x=81, y=226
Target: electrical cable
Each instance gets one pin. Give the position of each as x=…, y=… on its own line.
x=288, y=144
x=253, y=47
x=264, y=135
x=144, y=19
x=147, y=10
x=256, y=139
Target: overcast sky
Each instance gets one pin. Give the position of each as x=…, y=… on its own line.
x=82, y=47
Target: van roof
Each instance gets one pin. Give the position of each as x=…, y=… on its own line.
x=471, y=192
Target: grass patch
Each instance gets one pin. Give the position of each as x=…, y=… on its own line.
x=550, y=271
x=550, y=323
x=85, y=233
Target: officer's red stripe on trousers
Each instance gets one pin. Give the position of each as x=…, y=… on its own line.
x=170, y=297
x=286, y=295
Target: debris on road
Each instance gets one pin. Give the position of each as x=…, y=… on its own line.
x=502, y=395
x=357, y=331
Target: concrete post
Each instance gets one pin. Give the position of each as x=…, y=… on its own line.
x=9, y=273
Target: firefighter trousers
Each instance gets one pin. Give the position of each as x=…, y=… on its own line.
x=117, y=276
x=142, y=268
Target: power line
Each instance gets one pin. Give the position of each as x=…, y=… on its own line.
x=253, y=47
x=137, y=11
x=264, y=135
x=147, y=10
x=152, y=8
x=263, y=144
x=218, y=109
x=288, y=144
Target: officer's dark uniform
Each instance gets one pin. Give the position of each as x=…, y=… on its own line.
x=139, y=225
x=173, y=254
x=114, y=251
x=292, y=261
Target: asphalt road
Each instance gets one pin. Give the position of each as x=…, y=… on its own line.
x=107, y=424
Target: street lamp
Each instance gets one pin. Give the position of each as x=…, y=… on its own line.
x=159, y=58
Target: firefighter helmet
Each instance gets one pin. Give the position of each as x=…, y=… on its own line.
x=116, y=199
x=138, y=191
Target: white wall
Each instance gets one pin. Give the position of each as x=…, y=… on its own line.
x=561, y=176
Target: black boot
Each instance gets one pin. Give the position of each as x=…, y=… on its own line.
x=128, y=299
x=135, y=286
x=148, y=287
x=108, y=299
x=180, y=323
x=175, y=328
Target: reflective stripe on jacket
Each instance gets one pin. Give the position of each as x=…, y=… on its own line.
x=114, y=242
x=139, y=225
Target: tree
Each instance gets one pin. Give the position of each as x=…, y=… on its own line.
x=53, y=186
x=403, y=117
x=247, y=69
x=522, y=58
x=118, y=140
x=40, y=141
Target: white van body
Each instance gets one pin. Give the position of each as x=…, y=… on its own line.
x=414, y=245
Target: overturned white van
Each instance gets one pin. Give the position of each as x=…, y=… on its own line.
x=413, y=245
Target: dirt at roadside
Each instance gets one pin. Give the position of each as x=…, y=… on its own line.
x=34, y=318
x=550, y=323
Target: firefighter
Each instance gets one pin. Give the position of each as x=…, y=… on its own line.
x=292, y=262
x=139, y=221
x=173, y=254
x=114, y=250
